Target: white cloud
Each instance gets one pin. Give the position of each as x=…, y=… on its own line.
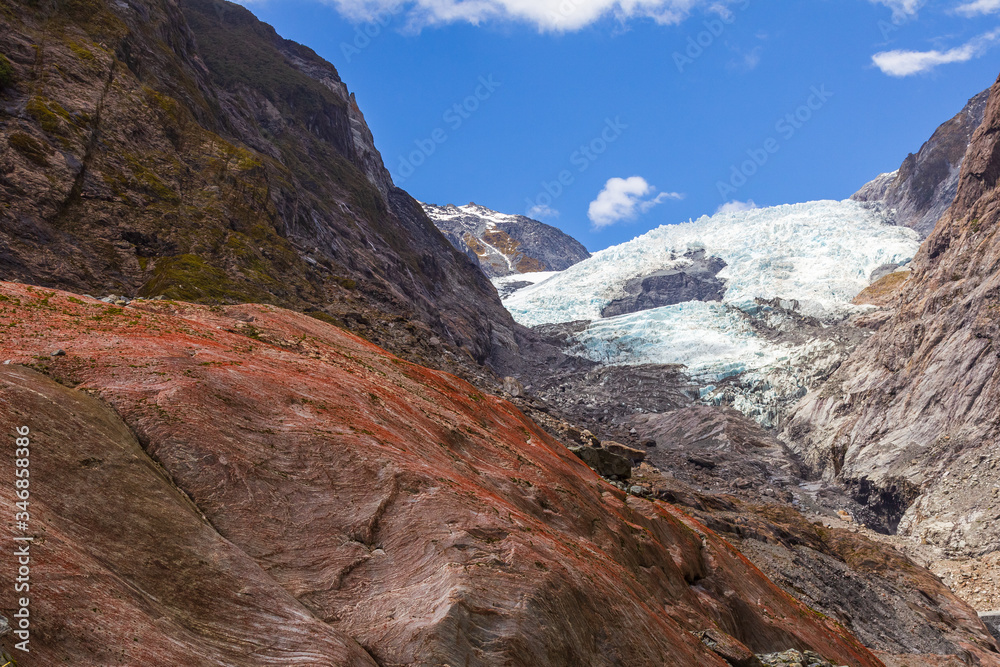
x=624, y=199
x=901, y=9
x=905, y=63
x=736, y=206
x=546, y=15
x=979, y=7
x=542, y=212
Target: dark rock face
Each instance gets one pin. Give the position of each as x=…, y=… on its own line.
x=509, y=288
x=729, y=649
x=185, y=149
x=604, y=462
x=924, y=186
x=909, y=421
x=992, y=621
x=697, y=282
x=504, y=244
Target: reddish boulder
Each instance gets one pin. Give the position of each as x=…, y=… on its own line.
x=635, y=456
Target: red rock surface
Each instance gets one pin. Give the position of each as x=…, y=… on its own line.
x=124, y=570
x=402, y=508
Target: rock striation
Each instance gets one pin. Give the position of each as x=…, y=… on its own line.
x=367, y=500
x=127, y=569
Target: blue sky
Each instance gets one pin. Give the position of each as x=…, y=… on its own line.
x=607, y=118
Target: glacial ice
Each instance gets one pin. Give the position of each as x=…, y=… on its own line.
x=714, y=341
x=819, y=254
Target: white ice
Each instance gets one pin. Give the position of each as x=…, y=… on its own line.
x=818, y=253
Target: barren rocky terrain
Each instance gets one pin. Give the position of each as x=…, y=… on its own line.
x=306, y=431
x=918, y=193
x=399, y=515
x=908, y=422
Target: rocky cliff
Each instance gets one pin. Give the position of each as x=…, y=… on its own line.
x=909, y=422
x=184, y=149
x=244, y=484
x=918, y=193
x=505, y=244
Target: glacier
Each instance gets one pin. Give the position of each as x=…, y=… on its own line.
x=818, y=253
x=810, y=260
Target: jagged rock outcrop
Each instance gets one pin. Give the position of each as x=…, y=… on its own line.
x=921, y=190
x=369, y=500
x=909, y=423
x=504, y=244
x=694, y=282
x=898, y=608
x=185, y=149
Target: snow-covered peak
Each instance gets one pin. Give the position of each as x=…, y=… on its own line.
x=505, y=244
x=472, y=209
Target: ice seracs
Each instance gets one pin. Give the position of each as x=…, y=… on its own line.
x=787, y=267
x=820, y=254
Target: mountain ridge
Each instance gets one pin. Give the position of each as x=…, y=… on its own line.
x=503, y=244
x=921, y=190
x=908, y=419
x=186, y=150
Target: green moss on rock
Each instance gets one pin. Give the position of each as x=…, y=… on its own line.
x=32, y=149
x=6, y=73
x=81, y=51
x=194, y=278
x=49, y=114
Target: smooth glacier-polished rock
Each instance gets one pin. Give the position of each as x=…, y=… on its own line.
x=400, y=507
